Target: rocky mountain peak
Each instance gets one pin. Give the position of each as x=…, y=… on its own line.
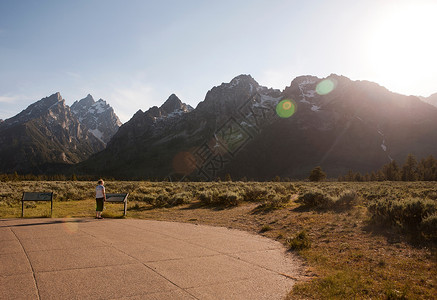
x=36, y=110
x=243, y=81
x=50, y=100
x=98, y=117
x=172, y=104
x=85, y=102
x=224, y=100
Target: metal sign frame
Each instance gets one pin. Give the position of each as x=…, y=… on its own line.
x=120, y=198
x=32, y=196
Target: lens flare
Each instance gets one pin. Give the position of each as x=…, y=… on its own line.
x=286, y=108
x=325, y=86
x=184, y=163
x=70, y=225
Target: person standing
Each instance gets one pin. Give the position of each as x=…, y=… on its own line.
x=100, y=198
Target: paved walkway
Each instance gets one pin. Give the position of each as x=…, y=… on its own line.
x=138, y=259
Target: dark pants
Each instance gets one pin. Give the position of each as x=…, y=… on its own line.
x=99, y=204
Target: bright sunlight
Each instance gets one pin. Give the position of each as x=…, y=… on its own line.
x=403, y=48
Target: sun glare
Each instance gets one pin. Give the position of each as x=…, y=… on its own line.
x=402, y=48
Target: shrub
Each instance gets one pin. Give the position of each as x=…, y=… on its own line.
x=279, y=201
x=161, y=201
x=229, y=199
x=409, y=214
x=413, y=211
x=149, y=198
x=429, y=227
x=347, y=199
x=255, y=194
x=265, y=228
x=274, y=202
x=432, y=195
x=180, y=198
x=316, y=200
x=208, y=197
x=299, y=242
x=164, y=200
x=220, y=198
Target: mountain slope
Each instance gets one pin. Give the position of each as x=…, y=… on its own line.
x=432, y=99
x=127, y=153
x=42, y=136
x=357, y=126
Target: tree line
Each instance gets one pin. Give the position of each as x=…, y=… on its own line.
x=411, y=170
x=32, y=177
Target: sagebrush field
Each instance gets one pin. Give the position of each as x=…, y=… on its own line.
x=357, y=240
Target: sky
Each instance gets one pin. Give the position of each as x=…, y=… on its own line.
x=136, y=53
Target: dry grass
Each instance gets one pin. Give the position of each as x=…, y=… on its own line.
x=347, y=253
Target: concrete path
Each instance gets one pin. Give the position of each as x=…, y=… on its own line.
x=138, y=259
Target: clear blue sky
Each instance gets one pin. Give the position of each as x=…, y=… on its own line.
x=134, y=54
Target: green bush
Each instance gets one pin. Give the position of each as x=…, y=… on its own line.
x=229, y=199
x=299, y=242
x=215, y=197
x=161, y=201
x=429, y=227
x=255, y=194
x=316, y=199
x=165, y=200
x=413, y=211
x=180, y=198
x=410, y=214
x=208, y=197
x=347, y=199
x=275, y=202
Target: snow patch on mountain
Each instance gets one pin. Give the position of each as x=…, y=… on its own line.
x=384, y=145
x=315, y=108
x=97, y=117
x=97, y=133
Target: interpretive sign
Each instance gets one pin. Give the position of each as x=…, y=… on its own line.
x=121, y=198
x=37, y=197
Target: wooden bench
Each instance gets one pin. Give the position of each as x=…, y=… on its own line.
x=37, y=197
x=121, y=198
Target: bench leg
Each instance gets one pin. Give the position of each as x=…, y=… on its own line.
x=22, y=208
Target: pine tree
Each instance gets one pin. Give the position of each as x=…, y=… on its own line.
x=391, y=171
x=317, y=174
x=427, y=169
x=409, y=169
x=228, y=177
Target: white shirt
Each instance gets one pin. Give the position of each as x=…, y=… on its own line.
x=100, y=190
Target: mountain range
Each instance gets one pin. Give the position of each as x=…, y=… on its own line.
x=335, y=122
x=241, y=128
x=48, y=135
